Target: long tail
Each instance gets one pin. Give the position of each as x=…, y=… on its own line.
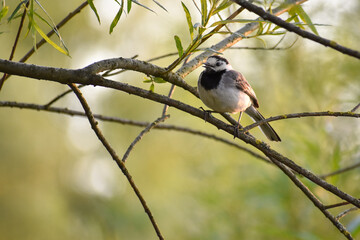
x=265, y=128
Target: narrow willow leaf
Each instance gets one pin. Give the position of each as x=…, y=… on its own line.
x=92, y=6
x=47, y=39
x=188, y=19
x=3, y=12
x=16, y=10
x=303, y=15
x=179, y=45
x=287, y=20
x=128, y=5
x=223, y=5
x=136, y=2
x=116, y=18
x=157, y=3
x=203, y=12
x=53, y=27
x=152, y=87
x=159, y=80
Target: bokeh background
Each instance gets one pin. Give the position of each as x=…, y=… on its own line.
x=58, y=182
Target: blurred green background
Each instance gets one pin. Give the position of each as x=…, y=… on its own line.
x=58, y=182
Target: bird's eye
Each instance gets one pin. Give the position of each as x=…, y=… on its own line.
x=218, y=64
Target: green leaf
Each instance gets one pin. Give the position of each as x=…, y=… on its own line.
x=188, y=19
x=152, y=87
x=306, y=19
x=203, y=12
x=16, y=10
x=47, y=39
x=3, y=12
x=179, y=45
x=92, y=6
x=159, y=80
x=116, y=18
x=223, y=5
x=128, y=5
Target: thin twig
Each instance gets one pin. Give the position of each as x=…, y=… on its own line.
x=337, y=205
x=351, y=167
x=111, y=151
x=57, y=98
x=168, y=127
x=344, y=213
x=2, y=80
x=293, y=28
x=355, y=108
x=139, y=137
x=301, y=115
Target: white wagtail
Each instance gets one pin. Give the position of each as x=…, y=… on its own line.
x=225, y=90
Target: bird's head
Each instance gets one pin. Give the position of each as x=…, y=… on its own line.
x=217, y=64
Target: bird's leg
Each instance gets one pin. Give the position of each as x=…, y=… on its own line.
x=236, y=127
x=207, y=113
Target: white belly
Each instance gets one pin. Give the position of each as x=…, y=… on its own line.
x=225, y=99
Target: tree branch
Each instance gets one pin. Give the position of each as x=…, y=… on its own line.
x=132, y=123
x=80, y=76
x=301, y=115
x=293, y=28
x=313, y=198
x=94, y=126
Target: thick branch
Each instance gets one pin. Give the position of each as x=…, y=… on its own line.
x=293, y=28
x=82, y=77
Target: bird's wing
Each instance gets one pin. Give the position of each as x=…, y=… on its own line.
x=243, y=85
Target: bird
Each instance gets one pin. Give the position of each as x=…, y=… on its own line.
x=226, y=90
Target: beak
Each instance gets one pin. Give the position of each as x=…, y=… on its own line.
x=206, y=65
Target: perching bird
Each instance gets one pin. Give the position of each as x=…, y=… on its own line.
x=225, y=90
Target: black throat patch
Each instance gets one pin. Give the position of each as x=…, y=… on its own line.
x=211, y=79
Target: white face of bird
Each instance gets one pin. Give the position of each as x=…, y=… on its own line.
x=217, y=64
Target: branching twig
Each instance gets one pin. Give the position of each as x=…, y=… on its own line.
x=146, y=130
x=293, y=28
x=94, y=126
x=2, y=80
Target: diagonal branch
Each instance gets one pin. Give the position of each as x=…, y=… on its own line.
x=293, y=28
x=94, y=126
x=80, y=76
x=313, y=198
